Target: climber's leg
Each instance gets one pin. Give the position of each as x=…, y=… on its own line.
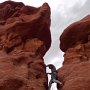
x=50, y=84
x=57, y=81
x=59, y=84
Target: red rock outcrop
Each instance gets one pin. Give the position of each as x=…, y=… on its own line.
x=75, y=42
x=24, y=39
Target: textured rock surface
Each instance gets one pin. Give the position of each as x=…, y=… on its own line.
x=75, y=73
x=24, y=39
x=76, y=33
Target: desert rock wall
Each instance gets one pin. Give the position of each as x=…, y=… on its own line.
x=24, y=39
x=75, y=42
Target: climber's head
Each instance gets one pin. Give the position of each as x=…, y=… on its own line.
x=50, y=66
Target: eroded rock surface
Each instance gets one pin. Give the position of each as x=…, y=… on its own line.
x=75, y=42
x=24, y=39
x=77, y=32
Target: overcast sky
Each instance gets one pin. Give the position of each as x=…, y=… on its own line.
x=63, y=13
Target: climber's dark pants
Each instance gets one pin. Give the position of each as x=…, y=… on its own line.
x=52, y=81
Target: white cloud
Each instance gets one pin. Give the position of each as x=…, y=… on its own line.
x=63, y=15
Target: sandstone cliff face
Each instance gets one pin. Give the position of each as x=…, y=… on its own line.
x=75, y=42
x=24, y=39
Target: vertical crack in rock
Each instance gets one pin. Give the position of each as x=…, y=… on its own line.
x=24, y=39
x=75, y=42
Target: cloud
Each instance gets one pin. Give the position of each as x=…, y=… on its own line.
x=63, y=15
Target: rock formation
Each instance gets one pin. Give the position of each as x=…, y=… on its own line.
x=24, y=39
x=75, y=42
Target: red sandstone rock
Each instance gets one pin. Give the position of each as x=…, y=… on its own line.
x=24, y=39
x=75, y=73
x=76, y=33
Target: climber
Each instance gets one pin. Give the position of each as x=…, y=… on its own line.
x=54, y=78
